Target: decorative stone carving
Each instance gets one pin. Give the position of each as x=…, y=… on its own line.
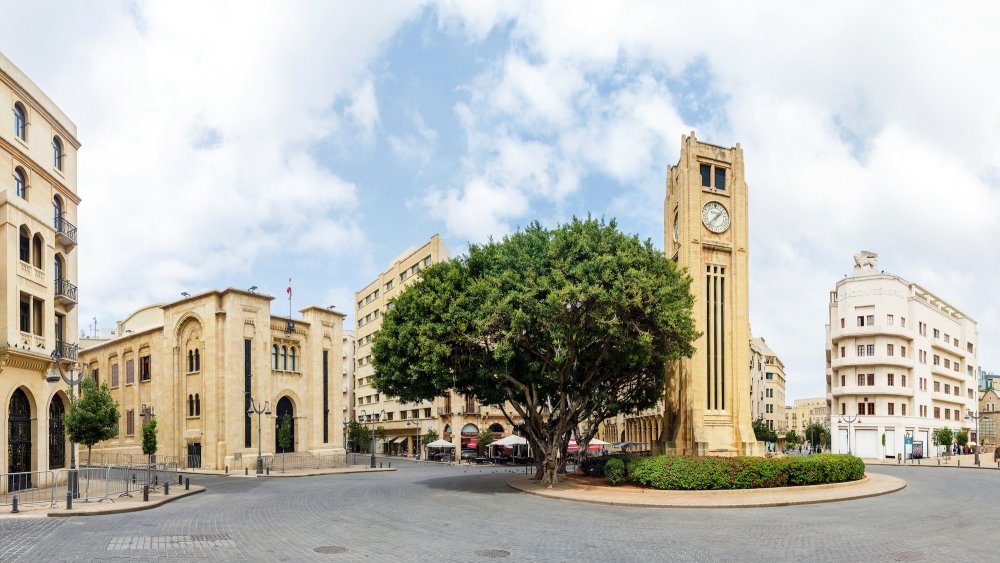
x=865, y=260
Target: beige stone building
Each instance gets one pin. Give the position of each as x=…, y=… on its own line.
x=195, y=363
x=347, y=382
x=767, y=386
x=901, y=362
x=38, y=199
x=454, y=417
x=989, y=410
x=804, y=412
x=706, y=230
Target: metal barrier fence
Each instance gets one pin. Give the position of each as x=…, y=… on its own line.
x=93, y=483
x=30, y=487
x=284, y=462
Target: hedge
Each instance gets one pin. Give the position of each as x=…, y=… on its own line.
x=703, y=473
x=594, y=466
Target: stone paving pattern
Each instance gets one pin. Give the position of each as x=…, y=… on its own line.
x=430, y=512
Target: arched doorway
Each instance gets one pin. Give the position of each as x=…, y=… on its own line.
x=19, y=441
x=284, y=411
x=57, y=434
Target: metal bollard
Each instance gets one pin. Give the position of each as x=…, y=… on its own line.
x=69, y=500
x=380, y=465
x=227, y=469
x=268, y=470
x=133, y=478
x=960, y=463
x=187, y=484
x=145, y=493
x=246, y=470
x=180, y=479
x=390, y=464
x=156, y=480
x=166, y=487
x=13, y=505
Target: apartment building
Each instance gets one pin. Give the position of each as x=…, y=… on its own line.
x=38, y=200
x=901, y=362
x=803, y=412
x=767, y=386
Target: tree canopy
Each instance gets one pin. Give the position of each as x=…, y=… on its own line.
x=149, y=445
x=93, y=417
x=558, y=327
x=763, y=433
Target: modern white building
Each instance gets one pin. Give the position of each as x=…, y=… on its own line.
x=900, y=363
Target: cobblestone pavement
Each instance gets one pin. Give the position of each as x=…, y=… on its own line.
x=426, y=512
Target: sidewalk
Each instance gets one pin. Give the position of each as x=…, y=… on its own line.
x=289, y=472
x=965, y=461
x=114, y=505
x=576, y=490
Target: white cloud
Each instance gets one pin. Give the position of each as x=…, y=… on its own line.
x=364, y=108
x=478, y=210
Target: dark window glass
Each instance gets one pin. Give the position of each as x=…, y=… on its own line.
x=706, y=175
x=19, y=121
x=19, y=182
x=720, y=178
x=25, y=316
x=24, y=247
x=57, y=153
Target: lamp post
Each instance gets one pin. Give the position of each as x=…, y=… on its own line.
x=976, y=417
x=419, y=437
x=72, y=382
x=373, y=418
x=849, y=420
x=258, y=410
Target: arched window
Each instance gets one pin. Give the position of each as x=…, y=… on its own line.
x=57, y=209
x=20, y=122
x=20, y=183
x=58, y=264
x=284, y=358
x=36, y=250
x=190, y=405
x=190, y=361
x=197, y=360
x=292, y=352
x=24, y=244
x=57, y=153
x=197, y=404
x=274, y=356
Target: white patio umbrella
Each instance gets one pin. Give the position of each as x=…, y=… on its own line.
x=440, y=444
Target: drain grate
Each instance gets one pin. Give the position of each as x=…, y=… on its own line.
x=493, y=553
x=907, y=556
x=330, y=549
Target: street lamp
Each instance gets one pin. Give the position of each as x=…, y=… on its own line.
x=373, y=418
x=849, y=420
x=258, y=410
x=976, y=417
x=74, y=484
x=419, y=437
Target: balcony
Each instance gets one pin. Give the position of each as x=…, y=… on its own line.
x=948, y=372
x=876, y=360
x=65, y=293
x=873, y=390
x=66, y=350
x=444, y=411
x=65, y=232
x=869, y=331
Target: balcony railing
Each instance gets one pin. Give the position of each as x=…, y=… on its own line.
x=66, y=292
x=67, y=350
x=444, y=411
x=65, y=231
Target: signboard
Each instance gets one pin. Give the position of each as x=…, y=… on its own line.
x=908, y=440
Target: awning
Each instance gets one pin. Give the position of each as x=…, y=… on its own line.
x=470, y=442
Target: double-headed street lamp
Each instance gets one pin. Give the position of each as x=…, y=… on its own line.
x=373, y=418
x=74, y=484
x=976, y=417
x=849, y=420
x=258, y=410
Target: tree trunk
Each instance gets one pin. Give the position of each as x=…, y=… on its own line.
x=550, y=464
x=89, y=451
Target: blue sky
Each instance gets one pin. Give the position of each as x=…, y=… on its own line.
x=244, y=143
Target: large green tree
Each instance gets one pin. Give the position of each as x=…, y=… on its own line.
x=762, y=432
x=358, y=436
x=562, y=328
x=93, y=417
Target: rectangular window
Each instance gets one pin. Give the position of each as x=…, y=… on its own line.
x=892, y=409
x=843, y=351
x=861, y=408
x=843, y=409
x=902, y=379
x=888, y=320
x=38, y=316
x=890, y=350
x=871, y=408
x=937, y=333
x=427, y=413
x=861, y=320
x=947, y=414
x=427, y=261
x=937, y=360
x=891, y=379
x=129, y=372
x=861, y=379
x=871, y=350
x=947, y=363
x=130, y=422
x=843, y=381
x=25, y=318
x=870, y=320
x=968, y=346
x=947, y=338
x=902, y=351
x=902, y=409
x=416, y=413
x=706, y=175
x=768, y=375
x=720, y=178
x=861, y=350
x=871, y=379
x=841, y=322
x=902, y=322
x=402, y=415
x=947, y=388
x=145, y=368
x=958, y=391
x=937, y=386
x=95, y=375
x=114, y=375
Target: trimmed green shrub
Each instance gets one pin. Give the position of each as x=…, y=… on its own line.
x=614, y=471
x=594, y=466
x=706, y=473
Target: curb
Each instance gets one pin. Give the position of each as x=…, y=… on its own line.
x=888, y=485
x=286, y=475
x=195, y=489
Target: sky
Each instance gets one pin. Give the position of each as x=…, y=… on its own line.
x=239, y=144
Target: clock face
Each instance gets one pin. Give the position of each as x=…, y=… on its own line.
x=715, y=217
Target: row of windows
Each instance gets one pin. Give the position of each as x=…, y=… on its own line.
x=369, y=399
x=145, y=371
x=365, y=360
x=368, y=299
x=287, y=358
x=21, y=132
x=365, y=340
x=194, y=405
x=415, y=268
x=710, y=173
x=194, y=360
x=368, y=318
x=869, y=320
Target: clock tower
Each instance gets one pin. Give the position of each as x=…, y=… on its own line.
x=707, y=401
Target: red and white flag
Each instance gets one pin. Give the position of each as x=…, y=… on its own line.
x=289, y=288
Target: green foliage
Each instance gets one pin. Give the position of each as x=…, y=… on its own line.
x=614, y=471
x=943, y=436
x=561, y=325
x=358, y=435
x=485, y=438
x=711, y=473
x=93, y=417
x=762, y=432
x=380, y=432
x=594, y=466
x=792, y=439
x=430, y=436
x=149, y=437
x=285, y=433
x=962, y=438
x=817, y=434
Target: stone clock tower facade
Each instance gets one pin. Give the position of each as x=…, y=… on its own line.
x=707, y=400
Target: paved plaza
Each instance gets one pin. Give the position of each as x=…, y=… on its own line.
x=428, y=512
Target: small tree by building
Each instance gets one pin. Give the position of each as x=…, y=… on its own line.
x=763, y=433
x=943, y=437
x=357, y=435
x=485, y=438
x=792, y=439
x=149, y=445
x=93, y=417
x=284, y=437
x=962, y=438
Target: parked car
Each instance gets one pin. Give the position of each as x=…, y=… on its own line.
x=468, y=454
